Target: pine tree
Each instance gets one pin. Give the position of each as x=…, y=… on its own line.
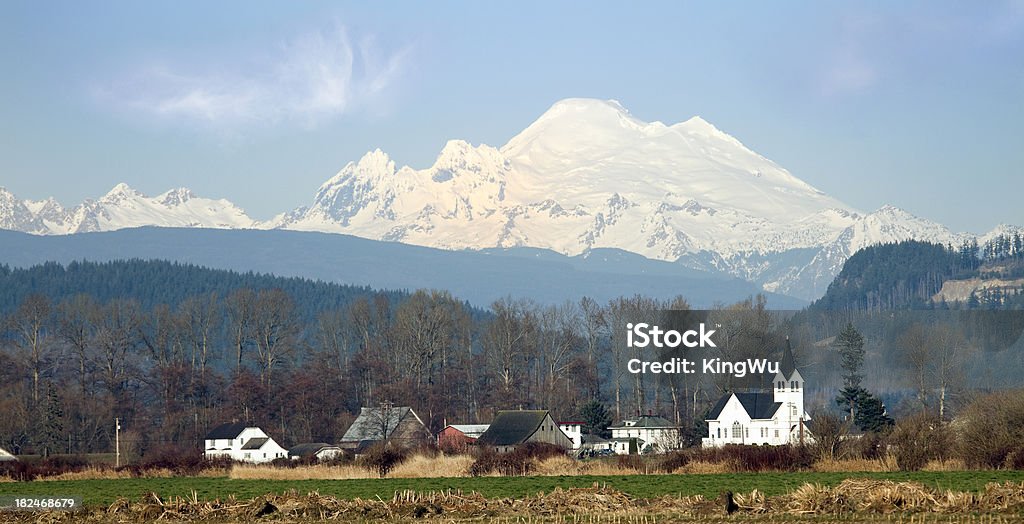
x=596, y=419
x=850, y=345
x=51, y=423
x=871, y=415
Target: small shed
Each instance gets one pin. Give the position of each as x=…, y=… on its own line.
x=317, y=450
x=460, y=436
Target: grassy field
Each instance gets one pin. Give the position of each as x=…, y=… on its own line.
x=104, y=492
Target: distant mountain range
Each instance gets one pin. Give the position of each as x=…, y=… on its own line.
x=479, y=277
x=586, y=175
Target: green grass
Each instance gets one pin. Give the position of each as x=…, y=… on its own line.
x=103, y=492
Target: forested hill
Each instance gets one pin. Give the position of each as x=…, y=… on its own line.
x=152, y=282
x=921, y=275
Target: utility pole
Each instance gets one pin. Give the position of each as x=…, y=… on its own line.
x=117, y=442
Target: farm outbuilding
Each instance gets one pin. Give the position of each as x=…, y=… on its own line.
x=460, y=436
x=397, y=425
x=511, y=429
x=318, y=450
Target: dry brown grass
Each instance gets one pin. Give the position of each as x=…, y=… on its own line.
x=316, y=472
x=106, y=473
x=853, y=465
x=946, y=465
x=419, y=466
x=701, y=467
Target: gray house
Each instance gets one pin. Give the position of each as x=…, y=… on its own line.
x=397, y=425
x=514, y=428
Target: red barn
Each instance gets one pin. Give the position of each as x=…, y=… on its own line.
x=460, y=436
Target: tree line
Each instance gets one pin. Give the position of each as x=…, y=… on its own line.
x=171, y=357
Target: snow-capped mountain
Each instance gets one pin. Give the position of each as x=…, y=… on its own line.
x=120, y=208
x=586, y=174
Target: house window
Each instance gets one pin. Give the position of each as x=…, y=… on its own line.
x=746, y=432
x=776, y=433
x=736, y=430
x=719, y=432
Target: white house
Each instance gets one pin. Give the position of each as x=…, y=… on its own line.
x=772, y=418
x=652, y=434
x=573, y=430
x=242, y=442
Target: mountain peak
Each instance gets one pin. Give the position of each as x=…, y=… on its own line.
x=176, y=196
x=121, y=190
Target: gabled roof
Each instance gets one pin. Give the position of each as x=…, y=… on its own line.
x=229, y=430
x=788, y=364
x=510, y=428
x=309, y=449
x=470, y=430
x=255, y=443
x=370, y=424
x=757, y=405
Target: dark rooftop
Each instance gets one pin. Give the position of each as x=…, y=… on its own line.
x=757, y=405
x=512, y=427
x=229, y=430
x=255, y=443
x=308, y=449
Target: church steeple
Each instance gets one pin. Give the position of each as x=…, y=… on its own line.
x=788, y=365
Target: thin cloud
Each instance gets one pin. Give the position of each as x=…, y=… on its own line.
x=311, y=79
x=849, y=69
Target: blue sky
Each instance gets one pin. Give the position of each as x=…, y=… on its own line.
x=915, y=104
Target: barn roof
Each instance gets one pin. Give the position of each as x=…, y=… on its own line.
x=512, y=427
x=6, y=457
x=228, y=430
x=470, y=430
x=370, y=424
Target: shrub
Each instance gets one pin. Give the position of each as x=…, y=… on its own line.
x=757, y=458
x=633, y=462
x=48, y=467
x=520, y=461
x=382, y=458
x=673, y=461
x=990, y=433
x=916, y=440
x=184, y=461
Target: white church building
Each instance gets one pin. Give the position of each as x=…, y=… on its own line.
x=763, y=418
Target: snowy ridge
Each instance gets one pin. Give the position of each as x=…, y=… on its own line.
x=122, y=207
x=585, y=175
